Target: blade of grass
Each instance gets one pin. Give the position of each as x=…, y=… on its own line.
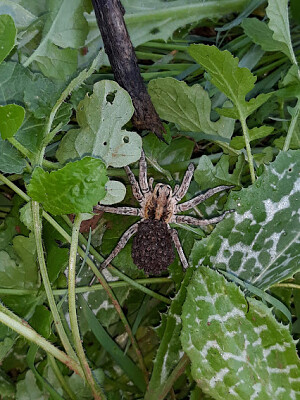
x=111, y=347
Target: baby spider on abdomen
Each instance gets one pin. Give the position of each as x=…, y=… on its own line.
x=152, y=248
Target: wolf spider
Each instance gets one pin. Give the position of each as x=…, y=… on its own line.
x=152, y=248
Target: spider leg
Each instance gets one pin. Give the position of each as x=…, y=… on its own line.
x=143, y=174
x=199, y=199
x=183, y=188
x=121, y=244
x=179, y=249
x=136, y=191
x=186, y=219
x=117, y=210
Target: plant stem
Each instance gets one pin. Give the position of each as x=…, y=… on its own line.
x=97, y=287
x=292, y=126
x=47, y=285
x=118, y=273
x=97, y=273
x=22, y=149
x=248, y=147
x=95, y=388
x=61, y=378
x=81, y=252
x=24, y=329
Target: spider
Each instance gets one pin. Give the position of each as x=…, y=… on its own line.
x=152, y=248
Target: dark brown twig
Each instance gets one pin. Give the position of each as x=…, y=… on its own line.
x=120, y=51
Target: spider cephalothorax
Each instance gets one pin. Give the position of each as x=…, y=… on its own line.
x=152, y=248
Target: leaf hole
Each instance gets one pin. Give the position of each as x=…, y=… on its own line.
x=154, y=31
x=111, y=96
x=104, y=143
x=126, y=139
x=290, y=169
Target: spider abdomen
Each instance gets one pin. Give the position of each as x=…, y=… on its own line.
x=152, y=248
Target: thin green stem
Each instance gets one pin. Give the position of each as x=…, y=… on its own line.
x=98, y=257
x=24, y=329
x=248, y=147
x=98, y=275
x=61, y=378
x=37, y=228
x=22, y=149
x=118, y=273
x=94, y=288
x=95, y=388
x=292, y=126
x=48, y=133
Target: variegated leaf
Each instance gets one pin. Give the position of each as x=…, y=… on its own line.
x=237, y=348
x=259, y=242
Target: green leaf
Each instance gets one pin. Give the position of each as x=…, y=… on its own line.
x=261, y=34
x=158, y=19
x=75, y=188
x=111, y=347
x=7, y=388
x=265, y=157
x=21, y=16
x=189, y=107
x=236, y=346
x=207, y=175
x=7, y=35
x=64, y=31
x=277, y=11
x=238, y=142
x=228, y=77
x=18, y=269
x=291, y=77
x=115, y=192
x=170, y=350
x=259, y=242
x=11, y=118
x=27, y=388
x=101, y=118
x=11, y=161
x=41, y=321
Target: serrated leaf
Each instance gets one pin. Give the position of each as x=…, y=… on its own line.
x=259, y=242
x=236, y=346
x=75, y=188
x=207, y=175
x=7, y=35
x=11, y=118
x=64, y=31
x=277, y=11
x=11, y=161
x=189, y=107
x=238, y=142
x=228, y=77
x=101, y=117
